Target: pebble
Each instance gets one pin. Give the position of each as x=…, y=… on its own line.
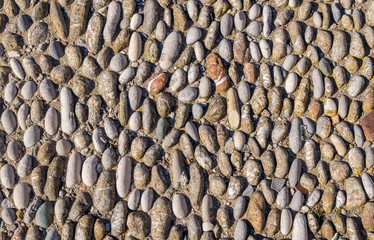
x=56, y=50
x=8, y=215
x=193, y=35
x=21, y=195
x=171, y=50
x=28, y=90
x=31, y=136
x=268, y=115
x=9, y=121
x=24, y=166
x=73, y=170
x=89, y=170
x=180, y=208
x=44, y=215
x=134, y=199
x=285, y=221
x=118, y=62
x=188, y=94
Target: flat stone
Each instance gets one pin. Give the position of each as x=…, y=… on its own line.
x=367, y=124
x=44, y=215
x=277, y=183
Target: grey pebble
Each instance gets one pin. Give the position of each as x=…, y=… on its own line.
x=127, y=75
x=161, y=30
x=193, y=35
x=56, y=50
x=134, y=199
x=227, y=23
x=31, y=136
x=10, y=91
x=8, y=215
x=244, y=92
x=254, y=12
x=240, y=20
x=285, y=222
x=295, y=172
x=197, y=111
x=24, y=22
x=297, y=201
x=147, y=199
x=179, y=205
x=188, y=94
x=9, y=121
x=225, y=50
x=241, y=230
x=118, y=62
x=17, y=68
x=28, y=90
x=63, y=147
x=7, y=176
x=47, y=90
x=240, y=207
x=24, y=166
x=136, y=21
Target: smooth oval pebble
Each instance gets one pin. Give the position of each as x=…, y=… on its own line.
x=123, y=176
x=7, y=176
x=356, y=86
x=146, y=200
x=63, y=147
x=254, y=12
x=241, y=230
x=193, y=35
x=47, y=90
x=8, y=215
x=170, y=50
x=289, y=62
x=297, y=201
x=240, y=20
x=24, y=166
x=10, y=91
x=225, y=50
x=31, y=136
x=135, y=48
x=295, y=172
x=368, y=184
x=239, y=207
x=227, y=23
x=21, y=195
x=118, y=62
x=300, y=227
x=136, y=21
x=161, y=31
x=188, y=94
x=244, y=92
x=134, y=199
x=127, y=75
x=17, y=68
x=28, y=90
x=9, y=121
x=179, y=204
x=285, y=221
x=73, y=170
x=291, y=83
x=89, y=171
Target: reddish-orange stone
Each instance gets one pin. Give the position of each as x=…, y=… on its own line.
x=250, y=72
x=156, y=83
x=217, y=72
x=367, y=124
x=239, y=47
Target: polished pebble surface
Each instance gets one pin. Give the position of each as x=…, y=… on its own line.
x=188, y=119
